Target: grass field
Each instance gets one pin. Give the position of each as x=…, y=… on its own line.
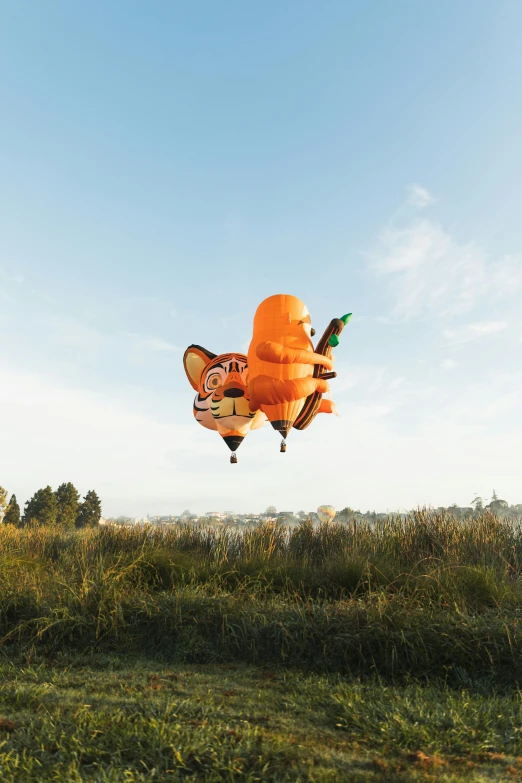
x=119, y=719
x=316, y=654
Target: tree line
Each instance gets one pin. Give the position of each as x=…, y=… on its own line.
x=61, y=508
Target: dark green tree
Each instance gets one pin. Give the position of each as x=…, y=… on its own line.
x=89, y=513
x=12, y=515
x=497, y=504
x=43, y=507
x=478, y=503
x=68, y=500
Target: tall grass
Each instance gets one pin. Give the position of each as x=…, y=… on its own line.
x=475, y=539
x=429, y=594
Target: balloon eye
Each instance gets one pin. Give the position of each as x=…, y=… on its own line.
x=214, y=382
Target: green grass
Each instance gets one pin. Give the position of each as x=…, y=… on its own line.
x=313, y=654
x=430, y=596
x=110, y=719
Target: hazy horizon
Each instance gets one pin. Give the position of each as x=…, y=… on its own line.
x=165, y=169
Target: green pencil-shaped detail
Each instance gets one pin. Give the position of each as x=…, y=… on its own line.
x=346, y=318
x=333, y=340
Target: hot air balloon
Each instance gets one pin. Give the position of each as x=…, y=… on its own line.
x=286, y=376
x=315, y=403
x=222, y=402
x=326, y=513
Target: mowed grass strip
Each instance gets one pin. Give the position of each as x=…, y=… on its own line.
x=110, y=719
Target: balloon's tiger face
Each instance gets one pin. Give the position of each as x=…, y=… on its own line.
x=222, y=389
x=222, y=401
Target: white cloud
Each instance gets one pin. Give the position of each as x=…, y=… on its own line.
x=55, y=433
x=72, y=333
x=506, y=275
x=478, y=406
x=147, y=344
x=506, y=403
x=375, y=411
x=11, y=277
x=474, y=331
x=370, y=377
x=43, y=296
x=419, y=196
x=449, y=364
x=431, y=273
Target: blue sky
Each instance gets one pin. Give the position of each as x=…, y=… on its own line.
x=165, y=167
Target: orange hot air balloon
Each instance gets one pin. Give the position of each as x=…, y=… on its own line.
x=222, y=401
x=281, y=361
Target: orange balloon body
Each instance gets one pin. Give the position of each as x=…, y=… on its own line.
x=281, y=359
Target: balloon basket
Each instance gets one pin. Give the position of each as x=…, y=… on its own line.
x=233, y=458
x=283, y=446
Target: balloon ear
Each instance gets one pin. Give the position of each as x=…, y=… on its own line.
x=195, y=359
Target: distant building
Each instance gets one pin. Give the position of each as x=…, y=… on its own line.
x=285, y=515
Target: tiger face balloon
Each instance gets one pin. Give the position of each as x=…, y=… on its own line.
x=222, y=401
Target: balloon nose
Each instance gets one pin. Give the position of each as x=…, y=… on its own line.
x=234, y=392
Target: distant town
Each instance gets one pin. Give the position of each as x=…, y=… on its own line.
x=496, y=505
x=214, y=517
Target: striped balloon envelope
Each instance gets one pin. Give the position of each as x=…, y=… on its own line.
x=326, y=513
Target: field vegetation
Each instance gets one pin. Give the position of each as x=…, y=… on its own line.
x=211, y=654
